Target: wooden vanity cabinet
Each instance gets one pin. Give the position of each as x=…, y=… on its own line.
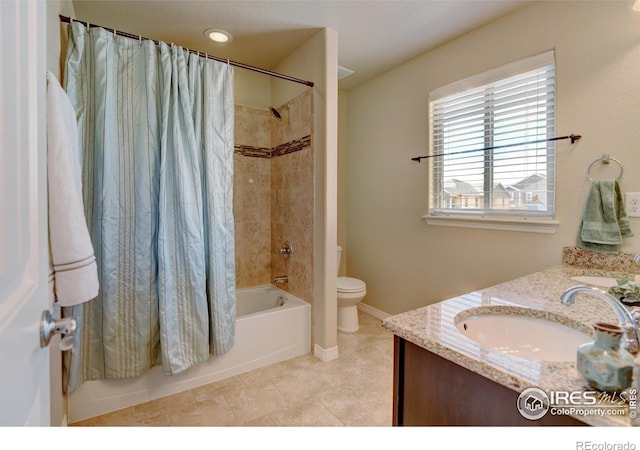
x=431, y=390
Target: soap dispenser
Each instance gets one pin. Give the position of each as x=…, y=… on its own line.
x=604, y=363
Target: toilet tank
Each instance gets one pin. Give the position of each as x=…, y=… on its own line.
x=338, y=262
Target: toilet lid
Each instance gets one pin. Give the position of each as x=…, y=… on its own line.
x=348, y=284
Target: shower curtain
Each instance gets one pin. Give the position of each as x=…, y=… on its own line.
x=156, y=135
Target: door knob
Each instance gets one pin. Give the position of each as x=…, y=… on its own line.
x=51, y=324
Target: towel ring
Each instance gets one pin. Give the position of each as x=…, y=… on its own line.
x=606, y=159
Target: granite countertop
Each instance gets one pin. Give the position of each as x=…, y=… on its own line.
x=433, y=327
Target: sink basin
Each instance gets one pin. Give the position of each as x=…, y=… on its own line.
x=602, y=282
x=524, y=336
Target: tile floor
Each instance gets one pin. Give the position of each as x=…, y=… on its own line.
x=354, y=390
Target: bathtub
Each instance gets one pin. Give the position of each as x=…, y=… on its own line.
x=271, y=326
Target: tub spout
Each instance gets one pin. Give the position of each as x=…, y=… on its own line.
x=281, y=279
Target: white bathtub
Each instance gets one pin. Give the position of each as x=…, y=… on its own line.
x=266, y=333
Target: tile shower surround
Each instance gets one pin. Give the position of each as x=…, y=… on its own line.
x=273, y=195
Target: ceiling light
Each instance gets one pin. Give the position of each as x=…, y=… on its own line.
x=218, y=35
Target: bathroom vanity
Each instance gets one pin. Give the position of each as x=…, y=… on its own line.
x=442, y=376
x=431, y=390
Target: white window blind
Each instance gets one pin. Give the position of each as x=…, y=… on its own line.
x=489, y=143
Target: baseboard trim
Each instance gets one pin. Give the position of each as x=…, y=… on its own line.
x=372, y=311
x=325, y=354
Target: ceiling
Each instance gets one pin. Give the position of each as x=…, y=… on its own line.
x=373, y=36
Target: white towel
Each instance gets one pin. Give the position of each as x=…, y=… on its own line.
x=74, y=263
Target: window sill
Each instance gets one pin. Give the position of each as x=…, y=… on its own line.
x=522, y=224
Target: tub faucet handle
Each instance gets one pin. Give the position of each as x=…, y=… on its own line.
x=286, y=249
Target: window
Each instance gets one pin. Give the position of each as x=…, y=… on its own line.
x=490, y=145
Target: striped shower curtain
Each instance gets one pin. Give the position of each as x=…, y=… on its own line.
x=156, y=135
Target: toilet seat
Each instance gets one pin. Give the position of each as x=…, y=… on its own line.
x=350, y=285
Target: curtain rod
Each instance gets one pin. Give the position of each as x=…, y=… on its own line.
x=66, y=19
x=573, y=137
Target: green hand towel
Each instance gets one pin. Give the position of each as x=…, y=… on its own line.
x=605, y=221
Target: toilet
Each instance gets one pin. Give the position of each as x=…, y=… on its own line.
x=350, y=292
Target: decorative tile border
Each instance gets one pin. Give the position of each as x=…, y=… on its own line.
x=292, y=146
x=254, y=152
x=283, y=149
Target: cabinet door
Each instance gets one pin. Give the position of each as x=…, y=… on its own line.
x=431, y=390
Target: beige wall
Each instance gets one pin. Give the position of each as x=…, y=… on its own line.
x=408, y=264
x=251, y=88
x=343, y=103
x=317, y=61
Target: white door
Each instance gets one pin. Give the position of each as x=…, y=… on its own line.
x=24, y=366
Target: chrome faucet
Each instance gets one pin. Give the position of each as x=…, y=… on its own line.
x=636, y=259
x=281, y=279
x=630, y=322
x=286, y=249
